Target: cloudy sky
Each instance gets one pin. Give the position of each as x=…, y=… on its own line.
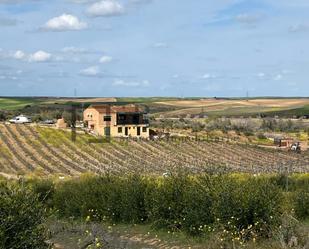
x=154, y=47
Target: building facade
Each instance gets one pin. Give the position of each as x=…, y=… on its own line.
x=117, y=121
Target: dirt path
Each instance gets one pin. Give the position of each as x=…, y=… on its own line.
x=68, y=235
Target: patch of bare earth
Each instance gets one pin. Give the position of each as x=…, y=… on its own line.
x=67, y=236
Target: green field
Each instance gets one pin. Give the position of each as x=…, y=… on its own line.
x=16, y=103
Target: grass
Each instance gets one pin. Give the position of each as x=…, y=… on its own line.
x=301, y=111
x=16, y=103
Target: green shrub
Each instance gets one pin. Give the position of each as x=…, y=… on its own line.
x=166, y=202
x=194, y=204
x=242, y=204
x=301, y=202
x=44, y=188
x=198, y=202
x=22, y=217
x=115, y=199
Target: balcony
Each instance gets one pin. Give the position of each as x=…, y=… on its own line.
x=131, y=119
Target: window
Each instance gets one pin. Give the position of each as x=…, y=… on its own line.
x=144, y=129
x=119, y=129
x=107, y=118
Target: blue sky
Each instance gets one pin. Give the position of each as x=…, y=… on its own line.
x=154, y=47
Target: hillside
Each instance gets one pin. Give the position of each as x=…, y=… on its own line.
x=177, y=107
x=25, y=149
x=228, y=107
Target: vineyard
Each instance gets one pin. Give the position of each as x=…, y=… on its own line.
x=25, y=149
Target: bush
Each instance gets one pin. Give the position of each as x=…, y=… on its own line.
x=115, y=199
x=301, y=201
x=165, y=202
x=22, y=217
x=198, y=203
x=44, y=188
x=187, y=203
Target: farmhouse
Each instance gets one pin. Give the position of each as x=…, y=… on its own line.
x=117, y=121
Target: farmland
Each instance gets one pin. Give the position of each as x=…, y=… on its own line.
x=209, y=183
x=177, y=107
x=237, y=107
x=26, y=149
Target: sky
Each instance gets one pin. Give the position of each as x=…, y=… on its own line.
x=180, y=48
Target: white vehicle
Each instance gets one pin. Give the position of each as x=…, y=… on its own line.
x=20, y=120
x=296, y=147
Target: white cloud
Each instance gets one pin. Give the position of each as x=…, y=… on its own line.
x=105, y=8
x=74, y=50
x=90, y=71
x=208, y=76
x=119, y=82
x=40, y=56
x=160, y=45
x=19, y=55
x=278, y=77
x=106, y=59
x=261, y=75
x=65, y=22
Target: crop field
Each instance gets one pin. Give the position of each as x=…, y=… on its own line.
x=15, y=103
x=219, y=107
x=25, y=149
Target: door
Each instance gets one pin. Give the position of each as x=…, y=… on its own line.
x=107, y=131
x=138, y=131
x=126, y=131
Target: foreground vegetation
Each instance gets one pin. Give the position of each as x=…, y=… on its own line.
x=228, y=211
